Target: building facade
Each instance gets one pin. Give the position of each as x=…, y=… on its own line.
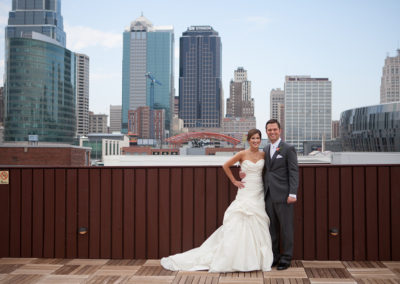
x=371, y=129
x=39, y=85
x=1, y=106
x=276, y=97
x=140, y=123
x=82, y=94
x=98, y=123
x=147, y=49
x=308, y=110
x=390, y=81
x=240, y=103
x=115, y=118
x=335, y=129
x=200, y=87
x=237, y=127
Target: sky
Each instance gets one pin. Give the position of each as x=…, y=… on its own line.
x=346, y=41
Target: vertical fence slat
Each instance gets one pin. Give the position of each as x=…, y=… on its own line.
x=346, y=217
x=60, y=213
x=26, y=213
x=384, y=213
x=5, y=217
x=152, y=213
x=129, y=213
x=15, y=212
x=83, y=212
x=359, y=212
x=49, y=213
x=334, y=212
x=105, y=214
x=395, y=199
x=187, y=210
x=164, y=212
x=199, y=206
x=309, y=213
x=176, y=211
x=95, y=213
x=298, y=220
x=321, y=206
x=140, y=214
x=222, y=194
x=37, y=213
x=371, y=203
x=71, y=216
x=211, y=200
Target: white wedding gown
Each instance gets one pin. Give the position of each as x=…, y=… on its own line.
x=243, y=242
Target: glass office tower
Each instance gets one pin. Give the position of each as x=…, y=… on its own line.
x=39, y=86
x=147, y=49
x=200, y=87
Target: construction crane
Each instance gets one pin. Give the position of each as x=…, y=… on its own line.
x=153, y=81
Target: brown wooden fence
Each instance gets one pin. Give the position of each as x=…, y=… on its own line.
x=150, y=212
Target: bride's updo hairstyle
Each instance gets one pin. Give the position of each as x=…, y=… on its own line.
x=252, y=132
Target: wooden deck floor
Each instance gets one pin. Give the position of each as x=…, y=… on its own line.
x=37, y=270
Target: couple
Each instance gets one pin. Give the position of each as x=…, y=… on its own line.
x=260, y=220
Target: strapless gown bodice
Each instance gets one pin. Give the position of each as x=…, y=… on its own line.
x=243, y=241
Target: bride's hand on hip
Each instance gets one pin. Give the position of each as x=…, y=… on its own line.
x=239, y=184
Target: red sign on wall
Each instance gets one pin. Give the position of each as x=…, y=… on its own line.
x=3, y=177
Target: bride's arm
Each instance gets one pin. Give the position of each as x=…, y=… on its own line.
x=227, y=168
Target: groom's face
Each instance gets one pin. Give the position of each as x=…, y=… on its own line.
x=273, y=132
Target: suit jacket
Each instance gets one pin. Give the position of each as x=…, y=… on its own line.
x=281, y=173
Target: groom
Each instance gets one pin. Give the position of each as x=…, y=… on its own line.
x=281, y=179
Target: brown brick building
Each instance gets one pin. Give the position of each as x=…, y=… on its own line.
x=23, y=154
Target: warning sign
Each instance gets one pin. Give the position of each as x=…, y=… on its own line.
x=3, y=177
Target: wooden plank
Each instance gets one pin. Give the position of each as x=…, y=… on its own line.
x=49, y=213
x=395, y=200
x=26, y=213
x=37, y=213
x=60, y=217
x=176, y=210
x=140, y=214
x=187, y=210
x=105, y=213
x=309, y=213
x=334, y=212
x=359, y=212
x=222, y=195
x=152, y=213
x=371, y=203
x=298, y=220
x=83, y=212
x=117, y=214
x=164, y=216
x=94, y=213
x=15, y=213
x=384, y=212
x=199, y=206
x=129, y=214
x=5, y=217
x=346, y=217
x=71, y=214
x=211, y=201
x=321, y=218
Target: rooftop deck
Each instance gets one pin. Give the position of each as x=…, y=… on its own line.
x=39, y=270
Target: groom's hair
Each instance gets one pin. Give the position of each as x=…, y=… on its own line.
x=273, y=121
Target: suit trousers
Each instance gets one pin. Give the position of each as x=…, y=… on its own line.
x=281, y=228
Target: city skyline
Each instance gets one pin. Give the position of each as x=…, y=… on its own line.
x=344, y=41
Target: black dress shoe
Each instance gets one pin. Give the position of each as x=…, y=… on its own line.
x=283, y=266
x=275, y=263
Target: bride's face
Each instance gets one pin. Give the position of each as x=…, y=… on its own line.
x=255, y=141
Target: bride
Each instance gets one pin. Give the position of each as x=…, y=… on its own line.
x=243, y=241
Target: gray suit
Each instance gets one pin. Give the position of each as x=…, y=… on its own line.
x=281, y=178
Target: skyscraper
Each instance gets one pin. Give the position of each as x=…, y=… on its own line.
x=240, y=103
x=390, y=82
x=115, y=118
x=308, y=110
x=147, y=49
x=200, y=87
x=82, y=94
x=97, y=123
x=276, y=97
x=39, y=88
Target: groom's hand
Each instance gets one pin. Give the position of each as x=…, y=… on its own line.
x=291, y=200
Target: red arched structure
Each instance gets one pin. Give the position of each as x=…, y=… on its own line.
x=186, y=137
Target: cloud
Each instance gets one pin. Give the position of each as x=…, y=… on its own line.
x=81, y=37
x=261, y=21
